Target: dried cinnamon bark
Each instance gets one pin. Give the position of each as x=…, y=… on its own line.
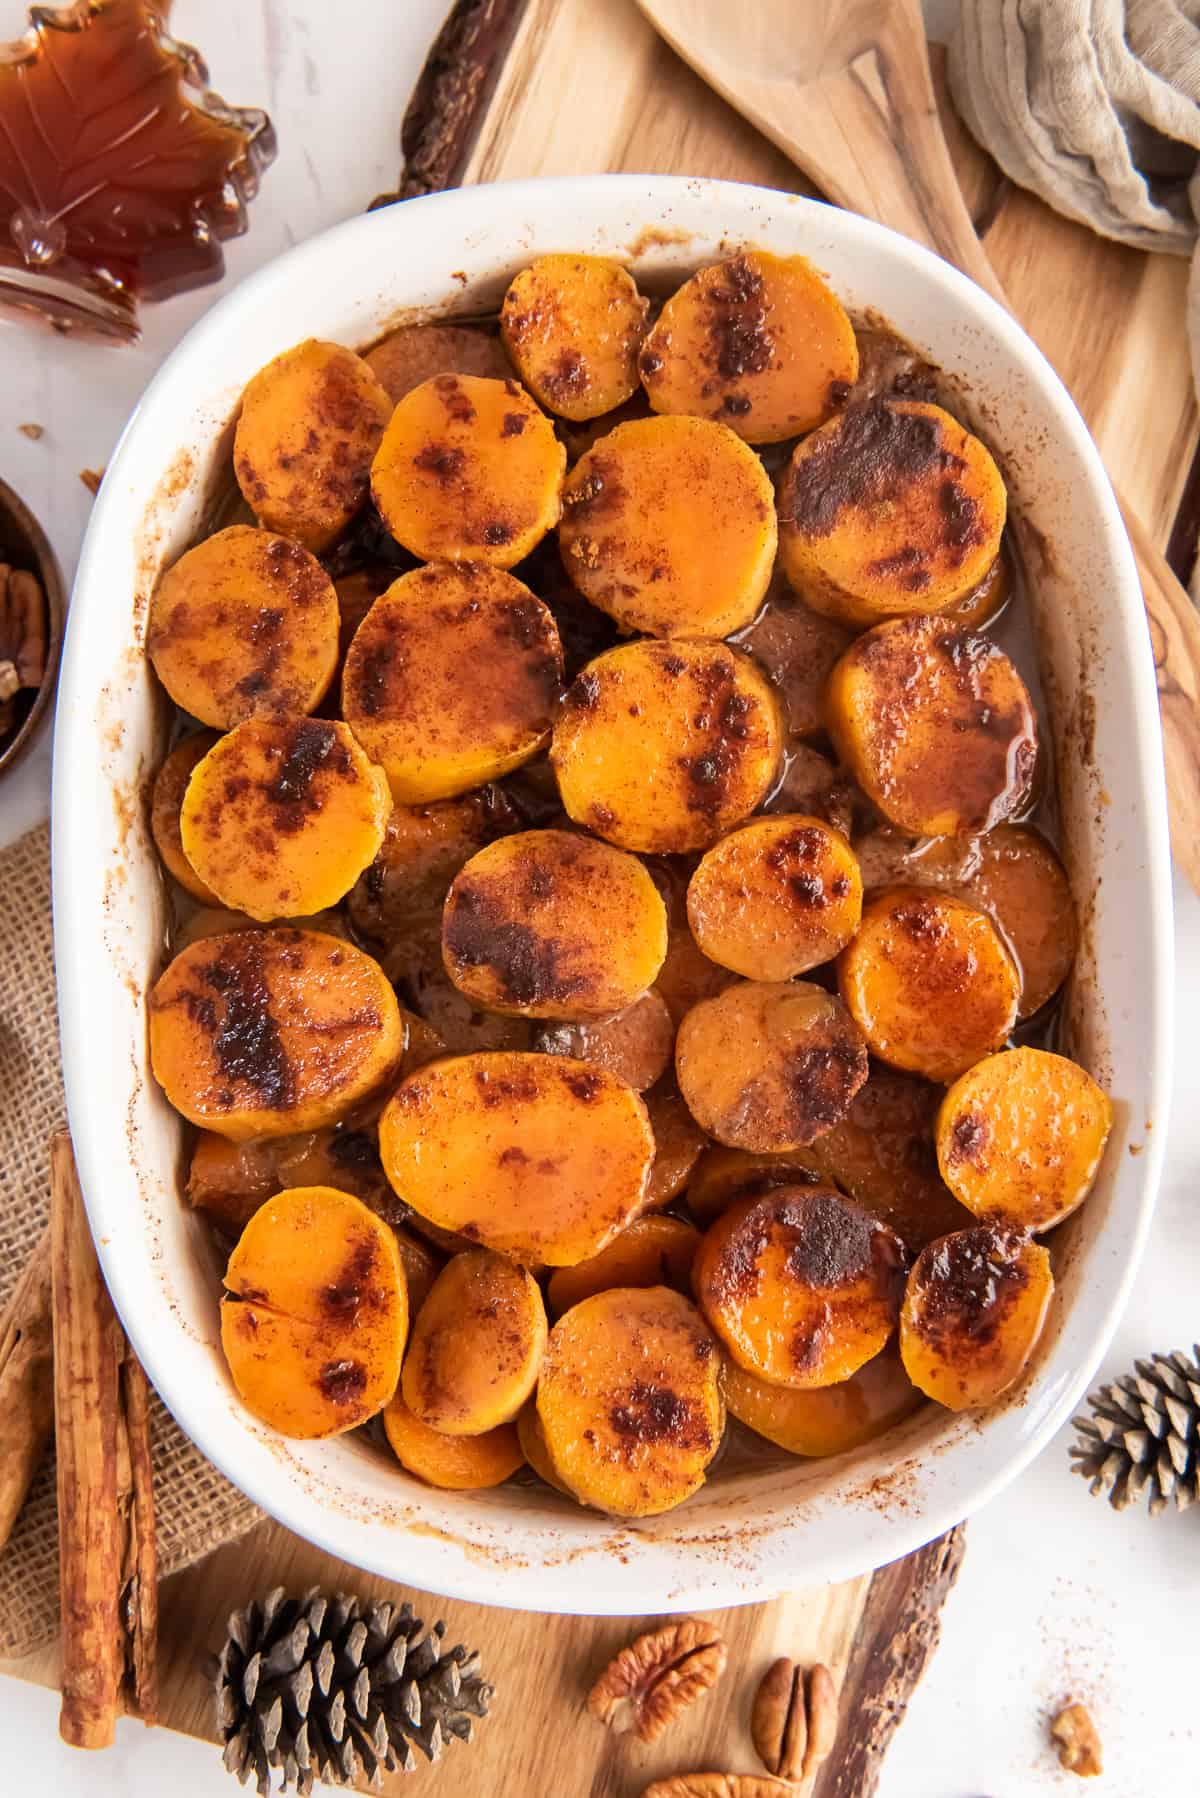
x=26, y=1384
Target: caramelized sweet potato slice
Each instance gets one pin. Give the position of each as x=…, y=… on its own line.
x=244, y=626
x=423, y=848
x=678, y=1144
x=421, y=1266
x=455, y=1463
x=653, y=1251
x=573, y=326
x=532, y=1438
x=889, y=510
x=414, y=962
x=722, y=1175
x=415, y=353
x=979, y=609
x=797, y=648
x=802, y=1285
x=630, y=1400
x=310, y=423
x=405, y=691
x=476, y=1345
x=282, y=816
x=824, y=1420
x=230, y=1180
x=1021, y=1135
x=537, y=1157
x=217, y=920
x=267, y=1032
x=929, y=982
x=635, y=1044
x=936, y=726
x=759, y=342
x=469, y=470
x=811, y=784
x=315, y=1312
x=974, y=1308
x=170, y=785
x=669, y=526
x=663, y=747
x=767, y=1066
x=775, y=898
x=687, y=975
x=552, y=924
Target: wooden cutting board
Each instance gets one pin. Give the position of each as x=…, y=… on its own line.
x=527, y=87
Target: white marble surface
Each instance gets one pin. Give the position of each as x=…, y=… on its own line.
x=1058, y=1595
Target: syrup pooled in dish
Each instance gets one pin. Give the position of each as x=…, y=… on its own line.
x=622, y=882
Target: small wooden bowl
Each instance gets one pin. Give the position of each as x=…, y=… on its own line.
x=24, y=542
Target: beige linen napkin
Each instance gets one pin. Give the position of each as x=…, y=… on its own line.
x=197, y=1510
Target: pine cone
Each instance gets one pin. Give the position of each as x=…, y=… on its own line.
x=332, y=1689
x=1145, y=1435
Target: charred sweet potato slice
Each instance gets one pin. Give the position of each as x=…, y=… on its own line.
x=315, y=1312
x=824, y=1420
x=936, y=726
x=929, y=982
x=573, y=326
x=669, y=526
x=1021, y=1135
x=552, y=924
x=889, y=510
x=244, y=626
x=455, y=1463
x=802, y=1285
x=767, y=1066
x=540, y=1158
x=796, y=648
x=476, y=1345
x=310, y=423
x=678, y=1144
x=635, y=1044
x=630, y=1400
x=405, y=690
x=423, y=848
x=663, y=747
x=974, y=1308
x=415, y=353
x=469, y=470
x=759, y=342
x=282, y=816
x=775, y=898
x=653, y=1251
x=166, y=799
x=722, y=1175
x=267, y=1032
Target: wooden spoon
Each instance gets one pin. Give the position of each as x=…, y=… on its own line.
x=843, y=87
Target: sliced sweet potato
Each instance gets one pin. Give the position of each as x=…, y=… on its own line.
x=537, y=1157
x=813, y=785
x=414, y=962
x=936, y=726
x=929, y=982
x=767, y=1066
x=170, y=785
x=653, y=1251
x=573, y=326
x=282, y=815
x=979, y=609
x=315, y=1312
x=552, y=924
x=434, y=732
x=759, y=342
x=663, y=747
x=802, y=1285
x=230, y=1180
x=679, y=1143
x=218, y=920
x=669, y=526
x=687, y=975
x=244, y=626
x=469, y=470
x=476, y=1345
x=889, y=510
x=630, y=1400
x=268, y=1032
x=797, y=648
x=635, y=1044
x=421, y=1266
x=423, y=848
x=1020, y=1137
x=775, y=898
x=455, y=1463
x=532, y=1438
x=722, y=1175
x=415, y=353
x=974, y=1308
x=356, y=594
x=310, y=424
x=824, y=1420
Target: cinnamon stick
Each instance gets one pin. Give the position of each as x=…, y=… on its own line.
x=26, y=1384
x=140, y=1586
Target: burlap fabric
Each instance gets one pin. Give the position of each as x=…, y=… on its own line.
x=197, y=1508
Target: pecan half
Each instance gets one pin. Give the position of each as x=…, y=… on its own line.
x=821, y=1715
x=1078, y=1741
x=658, y=1676
x=719, y=1785
x=778, y=1719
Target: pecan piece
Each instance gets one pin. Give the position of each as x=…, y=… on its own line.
x=1078, y=1741
x=778, y=1720
x=719, y=1785
x=821, y=1715
x=658, y=1676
